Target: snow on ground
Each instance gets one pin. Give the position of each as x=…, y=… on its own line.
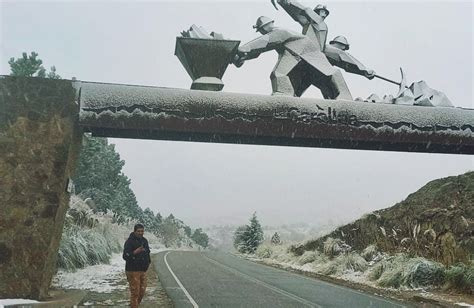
x=16, y=301
x=98, y=278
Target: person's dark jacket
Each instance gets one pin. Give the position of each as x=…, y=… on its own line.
x=140, y=261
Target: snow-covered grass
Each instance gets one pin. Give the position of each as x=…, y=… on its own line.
x=461, y=277
x=91, y=238
x=408, y=272
x=80, y=247
x=344, y=263
x=335, y=246
x=371, y=267
x=370, y=253
x=264, y=251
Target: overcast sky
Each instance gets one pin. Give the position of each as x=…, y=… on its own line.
x=203, y=184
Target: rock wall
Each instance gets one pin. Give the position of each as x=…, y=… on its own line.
x=39, y=144
x=436, y=222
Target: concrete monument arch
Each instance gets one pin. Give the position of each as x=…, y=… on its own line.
x=42, y=120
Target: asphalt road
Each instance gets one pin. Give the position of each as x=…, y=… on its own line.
x=198, y=279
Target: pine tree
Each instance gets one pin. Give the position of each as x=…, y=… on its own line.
x=188, y=231
x=200, y=238
x=276, y=239
x=99, y=176
x=52, y=74
x=240, y=239
x=168, y=231
x=247, y=238
x=254, y=234
x=31, y=66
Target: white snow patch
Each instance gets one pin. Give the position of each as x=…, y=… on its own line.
x=16, y=301
x=464, y=305
x=98, y=278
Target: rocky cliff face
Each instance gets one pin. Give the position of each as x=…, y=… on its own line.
x=436, y=222
x=39, y=143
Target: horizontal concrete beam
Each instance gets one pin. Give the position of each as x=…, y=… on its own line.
x=113, y=110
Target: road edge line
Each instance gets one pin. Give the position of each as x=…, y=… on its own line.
x=299, y=273
x=264, y=284
x=191, y=300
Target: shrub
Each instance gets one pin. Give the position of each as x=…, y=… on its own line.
x=351, y=262
x=354, y=262
x=281, y=253
x=377, y=270
x=307, y=257
x=391, y=278
x=402, y=271
x=81, y=247
x=263, y=251
x=369, y=252
x=460, y=277
x=334, y=246
x=388, y=273
x=421, y=273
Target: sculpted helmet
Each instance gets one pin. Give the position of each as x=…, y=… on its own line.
x=262, y=21
x=341, y=40
x=321, y=7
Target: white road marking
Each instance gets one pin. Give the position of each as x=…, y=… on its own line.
x=268, y=286
x=347, y=289
x=193, y=302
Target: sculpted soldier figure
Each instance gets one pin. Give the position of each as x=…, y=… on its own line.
x=301, y=62
x=314, y=26
x=312, y=21
x=337, y=55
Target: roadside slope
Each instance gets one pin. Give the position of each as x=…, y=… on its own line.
x=436, y=222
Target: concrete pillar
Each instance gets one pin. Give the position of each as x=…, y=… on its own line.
x=39, y=145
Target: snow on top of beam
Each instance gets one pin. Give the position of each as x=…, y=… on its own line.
x=101, y=97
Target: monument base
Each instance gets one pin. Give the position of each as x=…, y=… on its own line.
x=207, y=84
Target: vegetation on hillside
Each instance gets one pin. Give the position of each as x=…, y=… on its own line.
x=436, y=222
x=424, y=241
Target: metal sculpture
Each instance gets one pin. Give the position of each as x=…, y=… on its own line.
x=205, y=57
x=304, y=59
x=300, y=64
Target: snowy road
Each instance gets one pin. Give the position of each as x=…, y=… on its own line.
x=195, y=279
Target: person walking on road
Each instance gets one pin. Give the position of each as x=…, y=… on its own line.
x=136, y=253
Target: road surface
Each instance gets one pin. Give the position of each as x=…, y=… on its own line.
x=209, y=279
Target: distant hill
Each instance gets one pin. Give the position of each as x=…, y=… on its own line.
x=436, y=222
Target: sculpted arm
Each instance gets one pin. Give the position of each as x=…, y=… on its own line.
x=254, y=48
x=346, y=61
x=300, y=13
x=257, y=46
